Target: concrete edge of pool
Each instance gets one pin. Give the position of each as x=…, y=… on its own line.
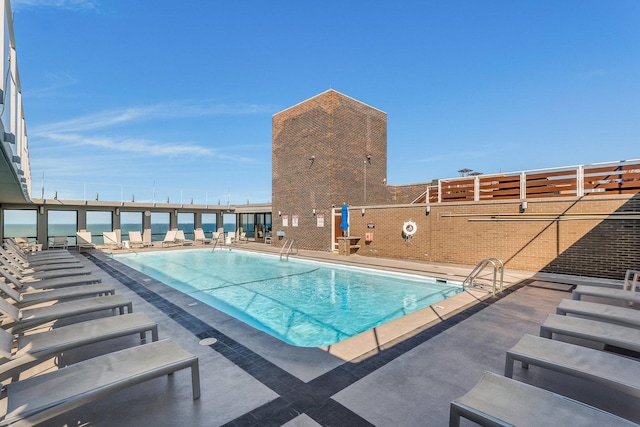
x=387, y=335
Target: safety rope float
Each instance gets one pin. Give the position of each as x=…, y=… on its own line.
x=409, y=228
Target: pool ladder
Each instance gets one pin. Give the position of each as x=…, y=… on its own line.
x=215, y=242
x=288, y=249
x=471, y=280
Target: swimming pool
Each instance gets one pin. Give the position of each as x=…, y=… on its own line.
x=303, y=303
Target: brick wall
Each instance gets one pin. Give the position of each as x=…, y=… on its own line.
x=465, y=233
x=323, y=150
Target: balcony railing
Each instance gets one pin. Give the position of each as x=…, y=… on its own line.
x=622, y=177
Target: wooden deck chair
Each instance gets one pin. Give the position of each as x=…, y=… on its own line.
x=39, y=398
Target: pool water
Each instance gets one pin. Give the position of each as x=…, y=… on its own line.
x=303, y=303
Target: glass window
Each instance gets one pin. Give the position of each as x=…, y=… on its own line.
x=247, y=224
x=229, y=222
x=97, y=223
x=21, y=223
x=130, y=221
x=208, y=224
x=159, y=225
x=185, y=223
x=62, y=224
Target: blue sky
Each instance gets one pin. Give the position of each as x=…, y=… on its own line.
x=161, y=99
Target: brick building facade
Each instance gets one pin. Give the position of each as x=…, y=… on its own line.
x=327, y=150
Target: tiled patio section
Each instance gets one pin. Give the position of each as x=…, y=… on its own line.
x=250, y=378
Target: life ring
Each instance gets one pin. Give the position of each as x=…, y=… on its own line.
x=409, y=228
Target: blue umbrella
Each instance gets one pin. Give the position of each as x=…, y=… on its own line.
x=344, y=224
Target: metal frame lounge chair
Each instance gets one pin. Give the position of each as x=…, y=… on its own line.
x=608, y=369
x=23, y=319
x=45, y=274
x=605, y=312
x=199, y=236
x=26, y=261
x=59, y=242
x=593, y=330
x=10, y=243
x=110, y=239
x=58, y=282
x=83, y=240
x=603, y=292
x=22, y=351
x=23, y=299
x=44, y=396
x=136, y=240
x=181, y=239
x=500, y=401
x=170, y=238
x=37, y=267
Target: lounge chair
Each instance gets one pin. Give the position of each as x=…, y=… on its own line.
x=593, y=330
x=135, y=240
x=59, y=242
x=199, y=237
x=10, y=243
x=500, y=401
x=608, y=369
x=83, y=240
x=629, y=296
x=50, y=258
x=42, y=266
x=23, y=299
x=169, y=238
x=110, y=239
x=606, y=312
x=44, y=396
x=58, y=282
x=23, y=319
x=181, y=239
x=25, y=350
x=231, y=237
x=45, y=274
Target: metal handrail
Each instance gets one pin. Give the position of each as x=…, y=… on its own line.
x=497, y=265
x=216, y=241
x=288, y=249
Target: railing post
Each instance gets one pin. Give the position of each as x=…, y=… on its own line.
x=523, y=186
x=580, y=181
x=439, y=191
x=476, y=189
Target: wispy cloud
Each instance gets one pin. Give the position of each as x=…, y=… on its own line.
x=60, y=4
x=57, y=81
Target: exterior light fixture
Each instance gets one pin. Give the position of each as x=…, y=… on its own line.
x=41, y=210
x=97, y=197
x=314, y=212
x=523, y=206
x=362, y=211
x=279, y=213
x=117, y=211
x=427, y=210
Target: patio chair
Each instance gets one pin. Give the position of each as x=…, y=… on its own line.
x=170, y=238
x=231, y=237
x=135, y=240
x=600, y=367
x=23, y=351
x=500, y=401
x=83, y=240
x=24, y=319
x=181, y=239
x=44, y=396
x=59, y=242
x=111, y=240
x=199, y=237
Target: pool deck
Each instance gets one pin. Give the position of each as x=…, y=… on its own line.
x=405, y=375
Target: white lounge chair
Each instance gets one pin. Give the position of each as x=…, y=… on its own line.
x=136, y=240
x=28, y=318
x=25, y=350
x=110, y=239
x=608, y=369
x=199, y=236
x=83, y=240
x=500, y=401
x=170, y=238
x=44, y=396
x=181, y=239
